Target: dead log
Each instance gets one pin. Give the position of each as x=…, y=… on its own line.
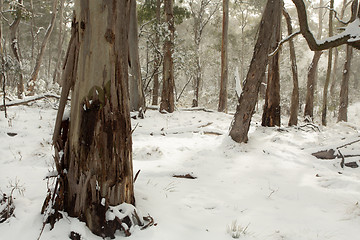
x=28, y=100
x=187, y=176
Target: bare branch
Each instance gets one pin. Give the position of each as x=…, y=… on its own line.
x=288, y=38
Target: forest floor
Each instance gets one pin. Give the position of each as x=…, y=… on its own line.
x=271, y=188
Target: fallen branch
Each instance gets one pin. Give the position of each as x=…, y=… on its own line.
x=347, y=144
x=187, y=176
x=28, y=100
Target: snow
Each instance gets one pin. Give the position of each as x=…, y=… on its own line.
x=352, y=30
x=271, y=187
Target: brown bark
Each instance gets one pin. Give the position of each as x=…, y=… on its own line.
x=156, y=86
x=247, y=101
x=311, y=86
x=95, y=169
x=271, y=113
x=344, y=92
x=312, y=73
x=224, y=59
x=329, y=68
x=35, y=72
x=294, y=106
x=16, y=49
x=167, y=97
x=137, y=100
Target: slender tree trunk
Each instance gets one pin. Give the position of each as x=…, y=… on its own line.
x=95, y=167
x=247, y=101
x=167, y=97
x=198, y=75
x=2, y=74
x=344, y=92
x=16, y=50
x=294, y=109
x=334, y=79
x=155, y=92
x=224, y=59
x=311, y=86
x=35, y=72
x=32, y=24
x=60, y=44
x=271, y=113
x=312, y=73
x=137, y=100
x=328, y=72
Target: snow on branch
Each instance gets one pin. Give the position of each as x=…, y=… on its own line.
x=351, y=34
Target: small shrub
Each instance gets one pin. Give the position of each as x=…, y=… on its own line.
x=7, y=206
x=236, y=231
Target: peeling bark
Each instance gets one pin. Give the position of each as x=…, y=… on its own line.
x=271, y=114
x=93, y=149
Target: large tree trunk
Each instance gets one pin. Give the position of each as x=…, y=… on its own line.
x=35, y=72
x=95, y=167
x=328, y=72
x=294, y=106
x=16, y=50
x=155, y=91
x=344, y=92
x=167, y=96
x=137, y=100
x=271, y=114
x=224, y=59
x=247, y=101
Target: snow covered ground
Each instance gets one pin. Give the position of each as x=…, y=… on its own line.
x=272, y=186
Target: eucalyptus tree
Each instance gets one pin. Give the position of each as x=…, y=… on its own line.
x=93, y=148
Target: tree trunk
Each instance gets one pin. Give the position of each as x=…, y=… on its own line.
x=224, y=59
x=344, y=92
x=35, y=72
x=311, y=86
x=137, y=100
x=198, y=75
x=312, y=72
x=334, y=79
x=328, y=72
x=95, y=167
x=155, y=92
x=294, y=109
x=271, y=113
x=60, y=44
x=167, y=96
x=2, y=74
x=247, y=101
x=16, y=50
